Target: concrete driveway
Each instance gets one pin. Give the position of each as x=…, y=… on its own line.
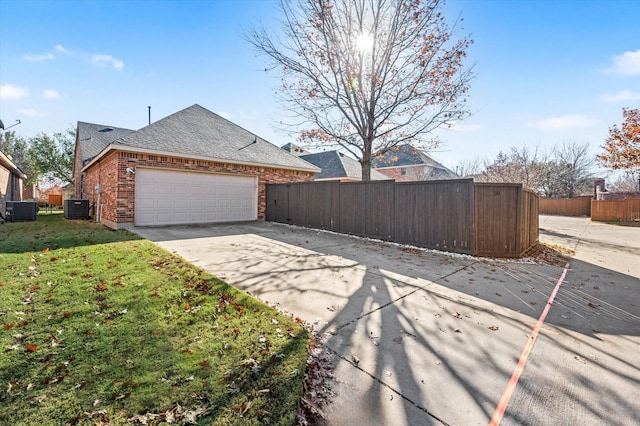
x=424, y=338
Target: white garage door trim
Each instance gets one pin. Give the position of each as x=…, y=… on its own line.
x=173, y=197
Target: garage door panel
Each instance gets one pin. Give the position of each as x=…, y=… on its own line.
x=164, y=197
x=163, y=203
x=163, y=188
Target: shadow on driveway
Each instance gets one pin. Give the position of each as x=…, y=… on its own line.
x=422, y=337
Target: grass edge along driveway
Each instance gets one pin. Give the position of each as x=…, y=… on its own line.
x=99, y=325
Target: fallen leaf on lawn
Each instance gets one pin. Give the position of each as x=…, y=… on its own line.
x=31, y=348
x=39, y=399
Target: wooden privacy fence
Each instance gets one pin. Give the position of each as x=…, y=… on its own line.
x=498, y=220
x=627, y=210
x=55, y=199
x=579, y=206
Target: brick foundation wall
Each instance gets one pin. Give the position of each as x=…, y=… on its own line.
x=118, y=186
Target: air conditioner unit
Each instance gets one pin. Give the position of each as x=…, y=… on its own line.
x=76, y=209
x=21, y=211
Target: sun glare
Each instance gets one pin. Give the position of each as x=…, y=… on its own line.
x=364, y=42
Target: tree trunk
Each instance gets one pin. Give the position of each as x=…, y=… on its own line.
x=366, y=161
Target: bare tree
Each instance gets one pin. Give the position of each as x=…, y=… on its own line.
x=569, y=171
x=625, y=183
x=368, y=74
x=469, y=168
x=519, y=165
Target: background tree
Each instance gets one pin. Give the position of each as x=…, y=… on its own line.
x=624, y=183
x=519, y=165
x=368, y=74
x=622, y=148
x=469, y=168
x=18, y=149
x=568, y=171
x=53, y=156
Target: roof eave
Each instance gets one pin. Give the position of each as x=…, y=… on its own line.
x=12, y=167
x=127, y=148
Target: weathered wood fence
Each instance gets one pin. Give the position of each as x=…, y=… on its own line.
x=578, y=206
x=627, y=210
x=499, y=220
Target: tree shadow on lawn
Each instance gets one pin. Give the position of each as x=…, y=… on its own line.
x=396, y=322
x=52, y=231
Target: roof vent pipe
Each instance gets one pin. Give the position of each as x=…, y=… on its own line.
x=149, y=114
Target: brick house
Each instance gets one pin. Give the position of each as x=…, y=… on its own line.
x=334, y=165
x=337, y=166
x=405, y=163
x=11, y=182
x=193, y=166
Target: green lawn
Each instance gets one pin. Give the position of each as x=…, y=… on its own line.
x=99, y=325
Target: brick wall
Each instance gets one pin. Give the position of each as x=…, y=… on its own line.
x=10, y=188
x=4, y=188
x=118, y=187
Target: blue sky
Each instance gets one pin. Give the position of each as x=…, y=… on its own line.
x=546, y=71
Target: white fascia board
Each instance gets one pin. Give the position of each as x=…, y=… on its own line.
x=128, y=148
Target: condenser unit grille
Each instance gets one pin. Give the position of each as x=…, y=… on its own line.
x=21, y=211
x=76, y=209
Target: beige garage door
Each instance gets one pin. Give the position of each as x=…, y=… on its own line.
x=167, y=197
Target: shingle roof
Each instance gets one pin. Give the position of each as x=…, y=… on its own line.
x=93, y=138
x=407, y=155
x=294, y=149
x=199, y=132
x=336, y=165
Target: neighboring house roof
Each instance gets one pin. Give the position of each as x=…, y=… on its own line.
x=6, y=162
x=93, y=138
x=199, y=133
x=406, y=156
x=336, y=165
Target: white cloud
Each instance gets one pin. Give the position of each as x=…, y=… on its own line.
x=104, y=60
x=466, y=128
x=626, y=64
x=38, y=58
x=61, y=49
x=7, y=91
x=226, y=115
x=621, y=96
x=564, y=122
x=29, y=112
x=50, y=94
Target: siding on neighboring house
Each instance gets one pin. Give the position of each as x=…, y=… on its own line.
x=404, y=163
